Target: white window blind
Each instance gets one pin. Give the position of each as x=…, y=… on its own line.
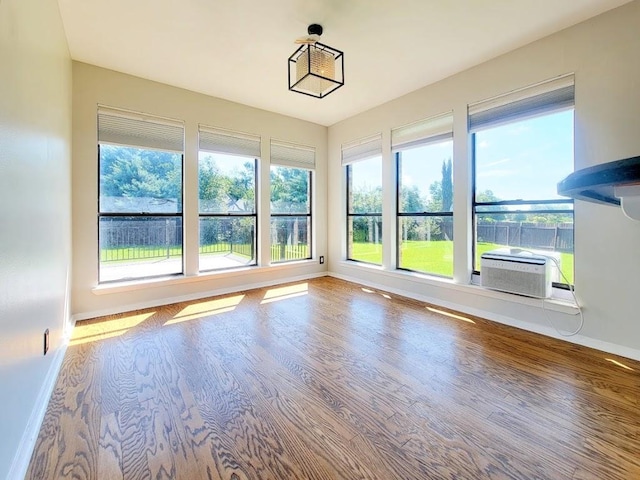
x=430, y=129
x=362, y=149
x=524, y=103
x=292, y=155
x=121, y=127
x=217, y=140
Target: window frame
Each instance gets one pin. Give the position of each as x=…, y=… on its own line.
x=309, y=216
x=357, y=215
x=475, y=204
x=253, y=215
x=137, y=117
x=399, y=215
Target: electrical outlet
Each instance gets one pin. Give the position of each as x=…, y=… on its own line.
x=46, y=341
x=321, y=259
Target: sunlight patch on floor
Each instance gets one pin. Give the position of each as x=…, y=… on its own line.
x=206, y=309
x=283, y=293
x=450, y=315
x=90, y=332
x=619, y=364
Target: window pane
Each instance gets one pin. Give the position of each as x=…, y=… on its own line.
x=134, y=180
x=524, y=160
x=426, y=244
x=138, y=247
x=497, y=209
x=227, y=242
x=289, y=238
x=547, y=234
x=365, y=186
x=226, y=183
x=425, y=178
x=365, y=239
x=290, y=190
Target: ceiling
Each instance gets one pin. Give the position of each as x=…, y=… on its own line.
x=238, y=49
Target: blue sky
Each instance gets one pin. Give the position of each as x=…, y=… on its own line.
x=520, y=160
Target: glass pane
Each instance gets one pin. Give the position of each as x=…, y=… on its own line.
x=524, y=160
x=138, y=247
x=227, y=242
x=134, y=180
x=426, y=244
x=226, y=183
x=290, y=190
x=551, y=235
x=425, y=178
x=290, y=238
x=540, y=206
x=365, y=239
x=365, y=186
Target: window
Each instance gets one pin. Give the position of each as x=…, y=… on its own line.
x=140, y=195
x=291, y=177
x=423, y=152
x=363, y=162
x=227, y=166
x=522, y=147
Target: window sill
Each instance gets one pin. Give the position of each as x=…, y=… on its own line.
x=555, y=303
x=146, y=283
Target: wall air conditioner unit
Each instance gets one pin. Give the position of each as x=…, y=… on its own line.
x=515, y=271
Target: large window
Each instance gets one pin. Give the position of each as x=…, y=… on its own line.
x=363, y=162
x=423, y=153
x=522, y=147
x=227, y=165
x=291, y=180
x=140, y=195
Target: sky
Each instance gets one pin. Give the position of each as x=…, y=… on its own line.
x=520, y=160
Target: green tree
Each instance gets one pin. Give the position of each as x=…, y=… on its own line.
x=127, y=172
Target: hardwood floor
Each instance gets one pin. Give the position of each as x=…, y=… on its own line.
x=327, y=379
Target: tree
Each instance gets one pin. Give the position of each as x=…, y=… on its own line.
x=128, y=172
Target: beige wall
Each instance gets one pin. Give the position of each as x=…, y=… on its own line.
x=35, y=195
x=603, y=52
x=92, y=86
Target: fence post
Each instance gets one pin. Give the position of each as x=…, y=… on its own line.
x=166, y=237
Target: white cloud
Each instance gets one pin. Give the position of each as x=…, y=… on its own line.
x=497, y=162
x=483, y=144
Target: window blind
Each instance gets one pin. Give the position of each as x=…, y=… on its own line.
x=217, y=140
x=292, y=155
x=132, y=129
x=430, y=129
x=524, y=103
x=362, y=149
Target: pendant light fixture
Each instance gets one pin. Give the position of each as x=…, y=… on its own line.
x=315, y=69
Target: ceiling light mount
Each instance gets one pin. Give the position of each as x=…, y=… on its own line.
x=314, y=29
x=315, y=69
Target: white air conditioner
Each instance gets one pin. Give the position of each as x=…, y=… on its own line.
x=515, y=271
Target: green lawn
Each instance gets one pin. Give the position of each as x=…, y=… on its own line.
x=436, y=257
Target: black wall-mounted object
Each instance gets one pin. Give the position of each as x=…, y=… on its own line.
x=598, y=183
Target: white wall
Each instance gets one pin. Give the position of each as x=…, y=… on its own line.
x=35, y=223
x=603, y=52
x=92, y=86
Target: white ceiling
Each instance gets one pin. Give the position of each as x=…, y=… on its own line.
x=238, y=49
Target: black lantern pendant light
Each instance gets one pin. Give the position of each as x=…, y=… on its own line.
x=315, y=69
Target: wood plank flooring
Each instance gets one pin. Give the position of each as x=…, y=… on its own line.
x=327, y=379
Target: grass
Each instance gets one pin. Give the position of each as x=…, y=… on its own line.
x=436, y=257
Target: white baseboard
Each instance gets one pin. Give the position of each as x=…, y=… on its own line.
x=194, y=296
x=22, y=457
x=603, y=346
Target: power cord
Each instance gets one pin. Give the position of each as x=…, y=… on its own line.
x=571, y=289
